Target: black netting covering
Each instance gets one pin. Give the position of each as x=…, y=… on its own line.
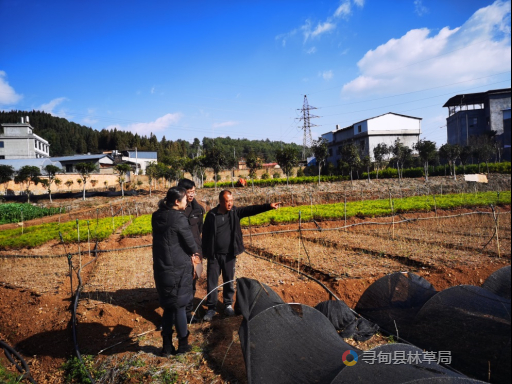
x=395, y=363
x=291, y=343
x=253, y=297
x=474, y=324
x=499, y=282
x=395, y=298
x=448, y=380
x=346, y=321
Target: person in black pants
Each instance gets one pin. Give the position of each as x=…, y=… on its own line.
x=173, y=246
x=222, y=243
x=194, y=212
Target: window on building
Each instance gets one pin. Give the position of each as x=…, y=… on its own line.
x=475, y=120
x=1, y=144
x=330, y=151
x=69, y=168
x=2, y=157
x=359, y=129
x=362, y=145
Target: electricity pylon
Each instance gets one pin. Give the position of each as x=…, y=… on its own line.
x=306, y=126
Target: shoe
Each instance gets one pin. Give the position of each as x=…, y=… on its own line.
x=209, y=315
x=183, y=345
x=167, y=348
x=229, y=311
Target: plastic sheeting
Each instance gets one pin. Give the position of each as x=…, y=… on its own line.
x=394, y=300
x=474, y=324
x=346, y=321
x=499, y=282
x=291, y=343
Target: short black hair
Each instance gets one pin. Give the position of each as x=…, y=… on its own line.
x=222, y=193
x=173, y=194
x=187, y=184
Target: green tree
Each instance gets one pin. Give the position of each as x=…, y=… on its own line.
x=427, y=151
x=450, y=153
x=26, y=176
x=216, y=160
x=350, y=155
x=152, y=174
x=122, y=170
x=380, y=152
x=85, y=170
x=401, y=154
x=366, y=162
x=6, y=174
x=51, y=171
x=465, y=154
x=287, y=158
x=253, y=162
x=321, y=152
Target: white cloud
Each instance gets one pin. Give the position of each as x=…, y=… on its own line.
x=343, y=11
x=419, y=8
x=311, y=50
x=144, y=129
x=7, y=93
x=327, y=75
x=225, y=124
x=50, y=107
x=480, y=47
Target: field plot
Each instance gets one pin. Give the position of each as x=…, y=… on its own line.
x=369, y=250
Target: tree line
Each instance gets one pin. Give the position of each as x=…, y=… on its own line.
x=68, y=138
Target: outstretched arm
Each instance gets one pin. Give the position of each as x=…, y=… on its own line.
x=252, y=210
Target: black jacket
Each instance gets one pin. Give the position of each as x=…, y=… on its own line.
x=235, y=215
x=195, y=214
x=173, y=244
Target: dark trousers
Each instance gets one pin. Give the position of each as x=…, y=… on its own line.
x=174, y=317
x=220, y=264
x=190, y=305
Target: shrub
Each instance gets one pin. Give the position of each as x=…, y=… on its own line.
x=265, y=176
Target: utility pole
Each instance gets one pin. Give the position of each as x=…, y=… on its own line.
x=306, y=126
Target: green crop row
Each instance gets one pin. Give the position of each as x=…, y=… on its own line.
x=38, y=235
x=374, y=208
x=367, y=208
x=15, y=212
x=139, y=227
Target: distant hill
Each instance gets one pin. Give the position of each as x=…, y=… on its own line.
x=68, y=138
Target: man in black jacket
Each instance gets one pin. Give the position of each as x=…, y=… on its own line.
x=222, y=243
x=194, y=213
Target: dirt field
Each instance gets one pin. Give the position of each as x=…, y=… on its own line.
x=118, y=314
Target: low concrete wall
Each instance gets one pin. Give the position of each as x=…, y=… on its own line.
x=110, y=180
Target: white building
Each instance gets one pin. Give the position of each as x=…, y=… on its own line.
x=367, y=134
x=141, y=158
x=18, y=141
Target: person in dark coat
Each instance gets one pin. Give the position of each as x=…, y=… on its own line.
x=173, y=246
x=222, y=243
x=194, y=212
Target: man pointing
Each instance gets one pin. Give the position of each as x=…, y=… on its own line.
x=222, y=243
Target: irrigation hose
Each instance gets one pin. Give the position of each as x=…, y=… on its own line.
x=24, y=370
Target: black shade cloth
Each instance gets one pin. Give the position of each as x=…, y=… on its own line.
x=291, y=343
x=346, y=321
x=253, y=297
x=396, y=297
x=472, y=323
x=499, y=282
x=370, y=371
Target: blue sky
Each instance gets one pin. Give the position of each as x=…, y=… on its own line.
x=185, y=69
